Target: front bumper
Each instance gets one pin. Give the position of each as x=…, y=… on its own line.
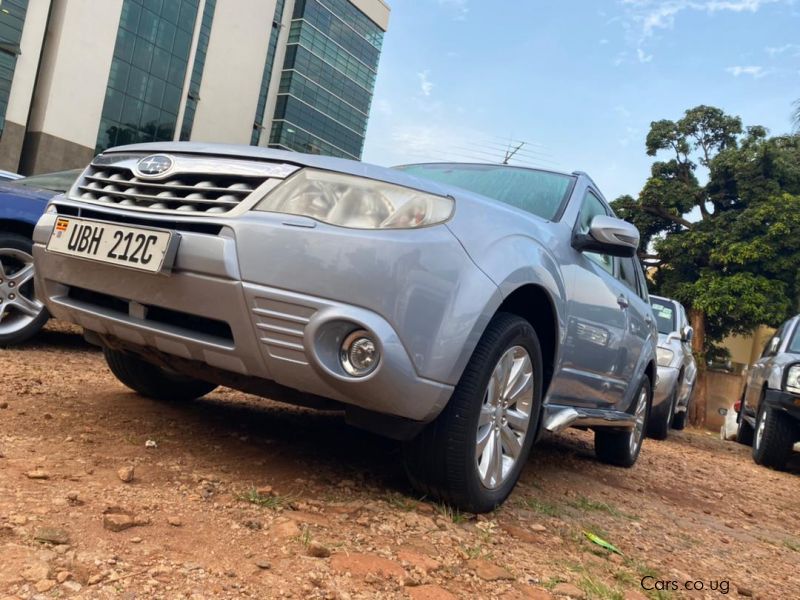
x=666, y=383
x=783, y=401
x=270, y=298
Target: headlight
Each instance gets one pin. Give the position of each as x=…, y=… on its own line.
x=356, y=202
x=793, y=379
x=664, y=356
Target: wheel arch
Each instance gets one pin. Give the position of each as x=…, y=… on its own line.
x=15, y=226
x=534, y=303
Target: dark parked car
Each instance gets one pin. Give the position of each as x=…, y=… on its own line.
x=22, y=202
x=769, y=416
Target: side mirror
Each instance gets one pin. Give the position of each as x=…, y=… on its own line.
x=688, y=334
x=608, y=235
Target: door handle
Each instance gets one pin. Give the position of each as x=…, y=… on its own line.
x=622, y=301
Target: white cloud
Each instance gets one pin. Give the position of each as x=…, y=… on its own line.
x=774, y=51
x=643, y=56
x=603, y=42
x=642, y=19
x=425, y=84
x=459, y=8
x=754, y=71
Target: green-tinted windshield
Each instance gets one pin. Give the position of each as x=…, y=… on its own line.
x=665, y=315
x=60, y=181
x=539, y=192
x=794, y=346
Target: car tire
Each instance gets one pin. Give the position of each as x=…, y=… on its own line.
x=660, y=420
x=24, y=315
x=744, y=432
x=679, y=420
x=622, y=448
x=445, y=460
x=775, y=435
x=152, y=381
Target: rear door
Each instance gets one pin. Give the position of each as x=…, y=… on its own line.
x=633, y=297
x=759, y=371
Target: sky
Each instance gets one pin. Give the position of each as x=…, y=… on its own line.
x=578, y=81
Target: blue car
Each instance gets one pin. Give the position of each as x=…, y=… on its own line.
x=22, y=202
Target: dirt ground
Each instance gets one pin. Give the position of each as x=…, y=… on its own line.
x=232, y=496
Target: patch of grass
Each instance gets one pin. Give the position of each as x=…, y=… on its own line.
x=305, y=536
x=792, y=545
x=597, y=589
x=625, y=578
x=473, y=552
x=542, y=507
x=552, y=582
x=586, y=504
x=401, y=502
x=449, y=512
x=253, y=497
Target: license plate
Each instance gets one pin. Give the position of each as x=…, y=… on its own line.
x=144, y=249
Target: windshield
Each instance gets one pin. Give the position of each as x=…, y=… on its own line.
x=665, y=315
x=539, y=192
x=794, y=346
x=60, y=181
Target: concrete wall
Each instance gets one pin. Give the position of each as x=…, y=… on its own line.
x=723, y=390
x=73, y=76
x=376, y=10
x=19, y=101
x=233, y=71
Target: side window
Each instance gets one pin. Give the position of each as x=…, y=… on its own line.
x=641, y=281
x=627, y=274
x=593, y=206
x=772, y=345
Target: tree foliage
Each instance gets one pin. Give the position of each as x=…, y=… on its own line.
x=728, y=248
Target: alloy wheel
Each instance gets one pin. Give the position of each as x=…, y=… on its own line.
x=504, y=417
x=18, y=303
x=640, y=416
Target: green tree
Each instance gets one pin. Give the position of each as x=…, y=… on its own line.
x=728, y=249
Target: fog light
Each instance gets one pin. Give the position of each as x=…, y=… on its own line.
x=359, y=354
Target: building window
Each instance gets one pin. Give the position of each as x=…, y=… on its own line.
x=267, y=75
x=147, y=72
x=197, y=70
x=328, y=79
x=12, y=19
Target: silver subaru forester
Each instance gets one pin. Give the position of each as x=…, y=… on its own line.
x=462, y=308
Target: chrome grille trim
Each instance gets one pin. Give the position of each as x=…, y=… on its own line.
x=195, y=184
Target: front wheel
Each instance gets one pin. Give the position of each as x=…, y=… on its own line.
x=621, y=448
x=472, y=455
x=774, y=437
x=152, y=381
x=22, y=315
x=744, y=432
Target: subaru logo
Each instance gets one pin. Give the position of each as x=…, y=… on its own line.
x=155, y=164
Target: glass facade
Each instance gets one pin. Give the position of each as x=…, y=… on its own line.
x=267, y=75
x=147, y=72
x=12, y=18
x=197, y=69
x=327, y=80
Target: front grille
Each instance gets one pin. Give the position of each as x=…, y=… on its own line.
x=196, y=185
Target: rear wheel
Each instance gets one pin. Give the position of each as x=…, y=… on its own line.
x=471, y=456
x=774, y=437
x=621, y=448
x=152, y=381
x=21, y=314
x=661, y=418
x=744, y=433
x=679, y=420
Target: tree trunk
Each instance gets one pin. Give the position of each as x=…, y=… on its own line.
x=697, y=414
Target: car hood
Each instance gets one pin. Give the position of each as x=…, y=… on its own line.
x=19, y=192
x=315, y=161
x=662, y=340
